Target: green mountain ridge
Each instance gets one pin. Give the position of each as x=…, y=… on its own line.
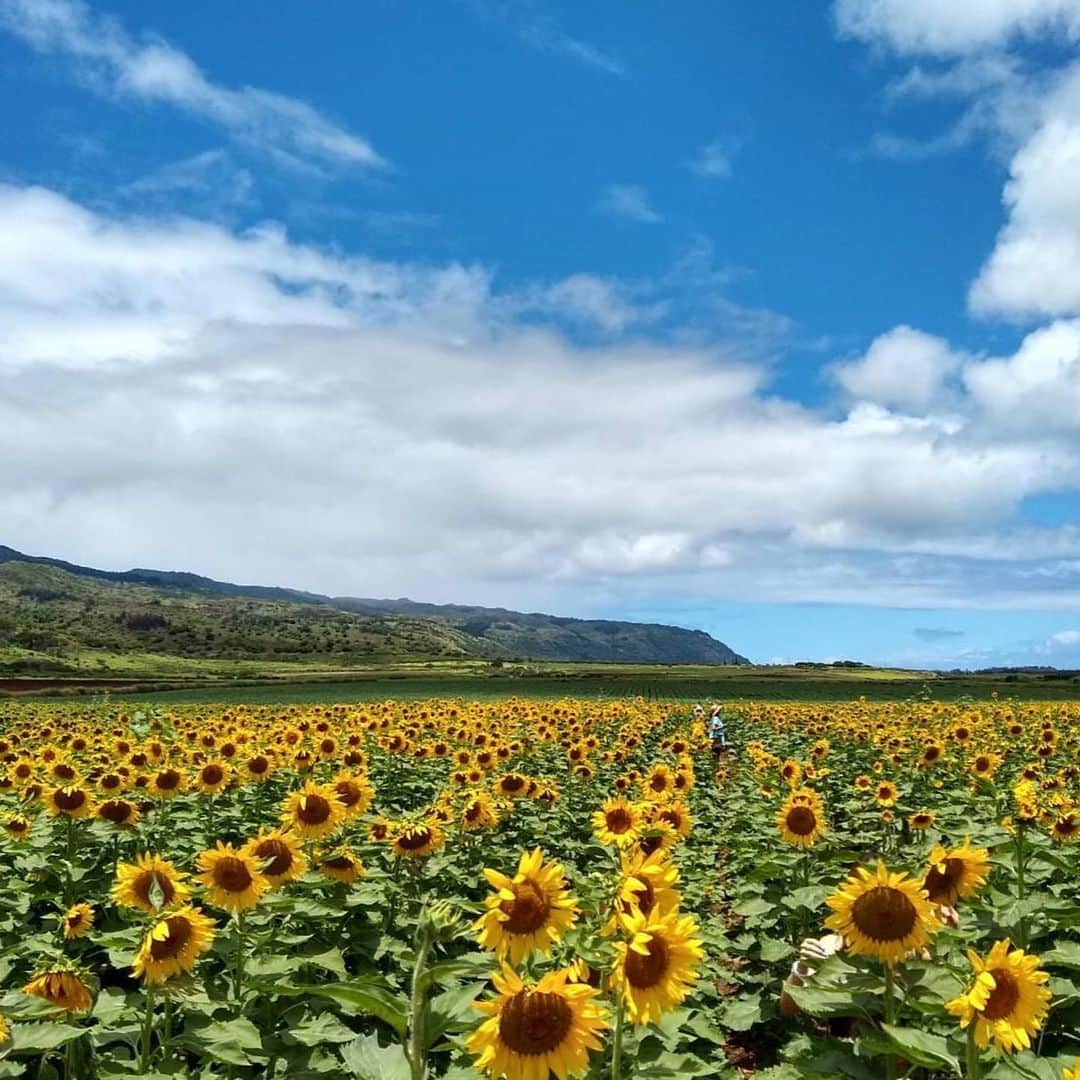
x=59, y=617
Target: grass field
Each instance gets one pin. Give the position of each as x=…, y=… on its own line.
x=684, y=683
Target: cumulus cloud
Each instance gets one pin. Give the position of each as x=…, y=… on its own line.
x=111, y=61
x=905, y=368
x=175, y=392
x=955, y=26
x=630, y=202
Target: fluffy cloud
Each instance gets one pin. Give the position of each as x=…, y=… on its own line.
x=176, y=393
x=954, y=26
x=904, y=368
x=108, y=59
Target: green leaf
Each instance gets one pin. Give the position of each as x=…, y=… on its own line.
x=324, y=1028
x=37, y=1038
x=919, y=1047
x=370, y=998
x=367, y=1060
x=233, y=1042
x=773, y=950
x=741, y=1014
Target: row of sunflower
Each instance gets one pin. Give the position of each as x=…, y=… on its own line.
x=264, y=892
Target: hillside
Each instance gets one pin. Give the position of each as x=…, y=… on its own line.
x=60, y=617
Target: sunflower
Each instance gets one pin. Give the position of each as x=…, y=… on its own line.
x=342, y=865
x=515, y=785
x=416, y=841
x=173, y=944
x=921, y=820
x=75, y=802
x=617, y=822
x=5, y=1030
x=656, y=967
x=232, y=878
x=149, y=884
x=62, y=988
x=18, y=827
x=791, y=772
x=354, y=793
x=78, y=920
x=799, y=819
x=1008, y=1000
x=1065, y=828
x=534, y=1031
x=478, y=812
x=646, y=884
x=118, y=812
x=984, y=765
x=528, y=912
x=657, y=783
x=882, y=914
x=278, y=854
x=212, y=777
x=166, y=783
x=258, y=768
x=675, y=814
x=656, y=835
x=955, y=875
x=313, y=812
x=886, y=793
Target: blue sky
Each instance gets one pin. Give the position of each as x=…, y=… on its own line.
x=759, y=318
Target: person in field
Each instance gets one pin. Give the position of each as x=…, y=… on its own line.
x=717, y=735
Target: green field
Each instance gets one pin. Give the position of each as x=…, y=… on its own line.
x=685, y=682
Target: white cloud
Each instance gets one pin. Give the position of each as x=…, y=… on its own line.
x=113, y=62
x=545, y=36
x=631, y=202
x=905, y=368
x=955, y=26
x=178, y=394
x=1064, y=639
x=714, y=161
x=603, y=302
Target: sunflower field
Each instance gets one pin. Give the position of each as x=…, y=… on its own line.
x=527, y=889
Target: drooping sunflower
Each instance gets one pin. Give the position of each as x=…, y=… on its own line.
x=528, y=912
x=417, y=840
x=63, y=988
x=656, y=967
x=173, y=944
x=617, y=822
x=921, y=820
x=800, y=819
x=534, y=1031
x=73, y=801
x=478, y=812
x=278, y=855
x=955, y=875
x=647, y=883
x=149, y=884
x=18, y=827
x=78, y=920
x=882, y=914
x=1008, y=999
x=342, y=865
x=313, y=812
x=232, y=878
x=1065, y=827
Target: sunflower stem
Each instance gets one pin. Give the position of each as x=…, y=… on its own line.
x=1021, y=886
x=238, y=962
x=890, y=1018
x=973, y=1067
x=147, y=1029
x=416, y=1050
x=616, y=1042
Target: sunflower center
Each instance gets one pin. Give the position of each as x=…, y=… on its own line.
x=63, y=771
x=618, y=820
x=941, y=883
x=167, y=779
x=213, y=774
x=115, y=810
x=801, y=820
x=649, y=844
x=258, y=764
x=231, y=874
x=69, y=799
x=884, y=914
x=143, y=886
x=173, y=943
x=279, y=856
x=528, y=911
x=339, y=862
x=658, y=782
x=473, y=811
x=645, y=971
x=672, y=817
x=414, y=839
x=644, y=896
x=513, y=783
x=1003, y=997
x=313, y=810
x=347, y=792
x=533, y=1023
